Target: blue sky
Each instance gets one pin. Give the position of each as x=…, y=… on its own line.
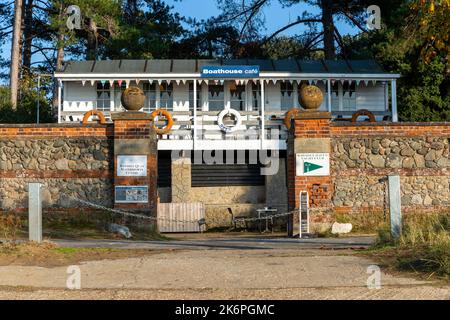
x=275, y=16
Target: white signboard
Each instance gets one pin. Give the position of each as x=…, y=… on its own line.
x=131, y=166
x=312, y=164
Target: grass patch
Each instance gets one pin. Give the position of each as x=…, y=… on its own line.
x=423, y=247
x=48, y=254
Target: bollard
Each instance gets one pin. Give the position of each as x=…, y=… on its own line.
x=395, y=209
x=35, y=212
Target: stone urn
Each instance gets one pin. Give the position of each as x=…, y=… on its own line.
x=310, y=97
x=133, y=99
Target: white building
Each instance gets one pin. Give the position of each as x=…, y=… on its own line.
x=196, y=93
x=347, y=86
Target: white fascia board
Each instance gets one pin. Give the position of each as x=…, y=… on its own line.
x=185, y=76
x=330, y=75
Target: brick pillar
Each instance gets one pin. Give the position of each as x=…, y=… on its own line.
x=310, y=133
x=135, y=142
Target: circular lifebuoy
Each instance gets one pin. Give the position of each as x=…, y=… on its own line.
x=97, y=113
x=232, y=112
x=287, y=118
x=168, y=116
x=363, y=112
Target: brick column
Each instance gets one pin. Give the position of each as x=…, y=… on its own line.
x=310, y=133
x=134, y=136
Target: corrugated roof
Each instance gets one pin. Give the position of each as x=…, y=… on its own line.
x=194, y=66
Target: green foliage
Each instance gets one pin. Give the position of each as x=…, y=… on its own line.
x=149, y=32
x=423, y=91
x=423, y=246
x=26, y=111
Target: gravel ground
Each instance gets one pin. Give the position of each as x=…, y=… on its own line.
x=219, y=274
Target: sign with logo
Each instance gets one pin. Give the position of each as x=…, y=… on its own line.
x=131, y=194
x=312, y=164
x=131, y=166
x=230, y=72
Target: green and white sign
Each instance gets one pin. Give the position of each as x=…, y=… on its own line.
x=312, y=164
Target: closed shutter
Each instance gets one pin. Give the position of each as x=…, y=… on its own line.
x=204, y=175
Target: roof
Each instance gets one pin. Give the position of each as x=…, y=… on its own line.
x=194, y=66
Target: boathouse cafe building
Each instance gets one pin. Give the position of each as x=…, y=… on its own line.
x=203, y=95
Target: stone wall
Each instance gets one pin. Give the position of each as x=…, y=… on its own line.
x=71, y=161
x=362, y=153
x=393, y=153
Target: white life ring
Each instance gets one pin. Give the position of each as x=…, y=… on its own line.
x=225, y=112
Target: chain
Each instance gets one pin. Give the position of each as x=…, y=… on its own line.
x=130, y=214
x=267, y=217
x=140, y=216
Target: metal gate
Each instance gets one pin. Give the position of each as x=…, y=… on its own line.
x=181, y=217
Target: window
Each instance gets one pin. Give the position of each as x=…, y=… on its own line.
x=287, y=96
x=237, y=96
x=216, y=97
x=150, y=96
x=335, y=96
x=349, y=96
x=103, y=96
x=256, y=96
x=166, y=96
x=191, y=96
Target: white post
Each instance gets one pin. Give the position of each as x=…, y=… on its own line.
x=112, y=94
x=295, y=94
x=394, y=100
x=59, y=100
x=34, y=212
x=263, y=102
x=329, y=95
x=395, y=207
x=195, y=114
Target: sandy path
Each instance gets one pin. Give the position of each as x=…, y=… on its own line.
x=206, y=274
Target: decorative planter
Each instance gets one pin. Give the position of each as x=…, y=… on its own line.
x=311, y=97
x=133, y=99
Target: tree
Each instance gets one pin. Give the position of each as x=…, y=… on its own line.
x=248, y=16
x=148, y=29
x=15, y=52
x=401, y=46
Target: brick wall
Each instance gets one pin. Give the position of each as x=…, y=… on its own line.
x=362, y=153
x=133, y=136
x=72, y=161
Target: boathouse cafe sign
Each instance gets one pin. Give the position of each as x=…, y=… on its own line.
x=230, y=72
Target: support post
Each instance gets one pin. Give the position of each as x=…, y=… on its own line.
x=263, y=102
x=329, y=95
x=395, y=211
x=38, y=97
x=195, y=114
x=59, y=100
x=34, y=212
x=394, y=100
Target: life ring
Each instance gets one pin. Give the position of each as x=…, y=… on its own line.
x=97, y=113
x=224, y=127
x=289, y=115
x=168, y=116
x=363, y=112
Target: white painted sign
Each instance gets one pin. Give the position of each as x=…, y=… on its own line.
x=131, y=166
x=312, y=164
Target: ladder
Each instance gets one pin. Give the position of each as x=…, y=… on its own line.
x=303, y=212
